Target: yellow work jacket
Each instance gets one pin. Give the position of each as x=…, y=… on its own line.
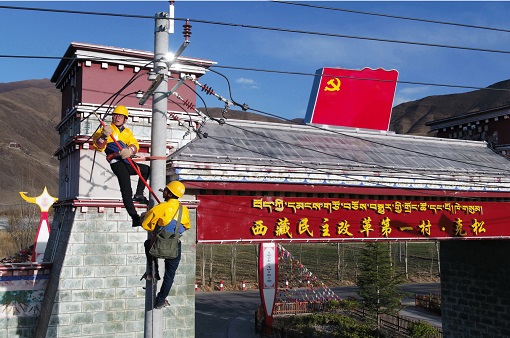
x=124, y=136
x=163, y=213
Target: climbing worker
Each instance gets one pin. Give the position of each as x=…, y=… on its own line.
x=104, y=140
x=162, y=215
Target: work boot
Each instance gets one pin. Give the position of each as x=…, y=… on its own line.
x=141, y=199
x=137, y=222
x=161, y=303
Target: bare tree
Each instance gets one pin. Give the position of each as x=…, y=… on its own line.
x=318, y=256
x=211, y=263
x=438, y=259
x=432, y=254
x=233, y=263
x=356, y=267
x=340, y=265
x=406, y=261
x=22, y=225
x=201, y=250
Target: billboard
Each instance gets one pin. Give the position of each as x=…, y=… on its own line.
x=352, y=98
x=255, y=219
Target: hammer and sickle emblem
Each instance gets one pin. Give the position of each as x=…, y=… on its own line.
x=333, y=85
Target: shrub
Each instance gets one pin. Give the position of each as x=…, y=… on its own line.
x=422, y=330
x=349, y=304
x=333, y=305
x=341, y=326
x=22, y=223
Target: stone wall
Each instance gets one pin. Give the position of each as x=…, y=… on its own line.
x=22, y=287
x=475, y=290
x=94, y=287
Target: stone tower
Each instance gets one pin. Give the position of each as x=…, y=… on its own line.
x=97, y=257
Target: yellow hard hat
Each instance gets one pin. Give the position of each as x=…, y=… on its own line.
x=121, y=110
x=176, y=188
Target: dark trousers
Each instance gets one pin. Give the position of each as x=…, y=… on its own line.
x=124, y=171
x=171, y=266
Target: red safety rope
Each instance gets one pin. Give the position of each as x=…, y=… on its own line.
x=133, y=165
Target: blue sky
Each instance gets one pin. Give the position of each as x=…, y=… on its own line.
x=41, y=33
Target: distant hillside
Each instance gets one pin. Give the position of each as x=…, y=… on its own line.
x=30, y=111
x=410, y=117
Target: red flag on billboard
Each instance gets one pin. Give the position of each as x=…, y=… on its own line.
x=352, y=98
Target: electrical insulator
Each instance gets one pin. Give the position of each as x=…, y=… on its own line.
x=189, y=104
x=207, y=90
x=187, y=30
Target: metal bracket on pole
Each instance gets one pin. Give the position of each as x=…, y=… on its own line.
x=151, y=89
x=174, y=88
x=160, y=77
x=181, y=49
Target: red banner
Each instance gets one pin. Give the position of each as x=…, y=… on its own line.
x=352, y=98
x=290, y=219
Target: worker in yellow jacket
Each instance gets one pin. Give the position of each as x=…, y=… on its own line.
x=117, y=157
x=161, y=215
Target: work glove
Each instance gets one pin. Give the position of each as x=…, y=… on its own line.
x=107, y=131
x=125, y=153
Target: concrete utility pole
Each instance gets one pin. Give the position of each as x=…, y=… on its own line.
x=153, y=326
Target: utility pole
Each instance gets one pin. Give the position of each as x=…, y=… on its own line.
x=153, y=325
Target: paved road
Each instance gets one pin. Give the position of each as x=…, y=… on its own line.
x=412, y=311
x=231, y=314
x=226, y=314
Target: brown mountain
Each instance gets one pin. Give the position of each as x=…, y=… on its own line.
x=30, y=111
x=410, y=117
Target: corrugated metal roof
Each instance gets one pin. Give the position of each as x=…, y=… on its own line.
x=247, y=150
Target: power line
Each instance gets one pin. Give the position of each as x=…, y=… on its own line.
x=287, y=73
x=378, y=143
x=398, y=81
x=420, y=192
x=10, y=56
x=398, y=170
x=7, y=56
x=258, y=27
x=246, y=107
x=286, y=30
x=66, y=11
x=394, y=169
x=274, y=71
x=394, y=16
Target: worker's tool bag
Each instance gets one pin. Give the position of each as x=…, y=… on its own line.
x=165, y=243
